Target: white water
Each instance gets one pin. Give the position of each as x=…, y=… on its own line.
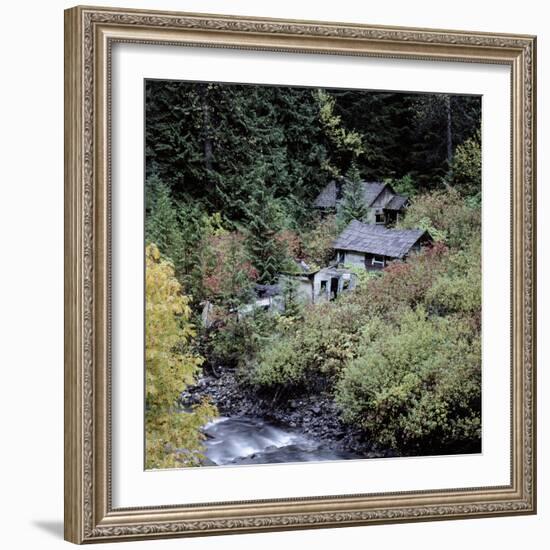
x=245, y=440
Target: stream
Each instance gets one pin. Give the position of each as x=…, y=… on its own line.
x=251, y=440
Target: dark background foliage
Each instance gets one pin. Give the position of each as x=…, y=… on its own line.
x=217, y=143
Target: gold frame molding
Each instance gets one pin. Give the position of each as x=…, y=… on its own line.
x=89, y=35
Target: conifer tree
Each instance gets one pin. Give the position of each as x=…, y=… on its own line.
x=161, y=219
x=266, y=251
x=353, y=205
x=293, y=308
x=177, y=229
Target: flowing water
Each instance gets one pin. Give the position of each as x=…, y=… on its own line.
x=248, y=440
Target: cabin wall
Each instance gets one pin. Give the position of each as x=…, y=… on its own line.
x=354, y=258
x=362, y=260
x=371, y=216
x=376, y=267
x=304, y=287
x=325, y=282
x=383, y=198
x=304, y=291
x=379, y=203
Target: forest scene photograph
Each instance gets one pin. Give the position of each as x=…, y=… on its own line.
x=312, y=274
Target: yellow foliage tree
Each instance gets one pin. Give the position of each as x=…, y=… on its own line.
x=173, y=437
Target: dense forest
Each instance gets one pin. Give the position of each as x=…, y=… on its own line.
x=231, y=175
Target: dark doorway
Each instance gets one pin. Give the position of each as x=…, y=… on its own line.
x=333, y=287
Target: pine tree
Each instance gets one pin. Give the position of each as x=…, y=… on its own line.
x=227, y=272
x=352, y=205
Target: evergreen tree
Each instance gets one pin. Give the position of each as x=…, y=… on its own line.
x=161, y=225
x=407, y=133
x=227, y=272
x=205, y=140
x=293, y=307
x=266, y=250
x=353, y=205
x=193, y=225
x=441, y=122
x=177, y=229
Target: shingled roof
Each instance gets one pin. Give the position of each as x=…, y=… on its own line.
x=379, y=240
x=396, y=203
x=328, y=197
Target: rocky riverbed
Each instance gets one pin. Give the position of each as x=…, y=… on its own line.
x=255, y=429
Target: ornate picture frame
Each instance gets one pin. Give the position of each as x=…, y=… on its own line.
x=90, y=34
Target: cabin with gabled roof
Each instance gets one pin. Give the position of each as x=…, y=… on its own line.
x=372, y=246
x=384, y=204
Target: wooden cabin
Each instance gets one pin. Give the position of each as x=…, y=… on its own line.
x=372, y=246
x=385, y=206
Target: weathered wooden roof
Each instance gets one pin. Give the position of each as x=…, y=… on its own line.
x=377, y=239
x=328, y=197
x=397, y=202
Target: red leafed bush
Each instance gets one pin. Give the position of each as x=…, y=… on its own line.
x=291, y=243
x=405, y=284
x=227, y=271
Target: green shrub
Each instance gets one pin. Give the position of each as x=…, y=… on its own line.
x=446, y=215
x=315, y=352
x=238, y=339
x=465, y=172
x=415, y=386
x=404, y=185
x=458, y=289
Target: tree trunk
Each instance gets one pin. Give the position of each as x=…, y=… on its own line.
x=449, y=129
x=206, y=128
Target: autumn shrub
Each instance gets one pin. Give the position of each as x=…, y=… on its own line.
x=173, y=437
x=227, y=271
x=317, y=242
x=404, y=284
x=415, y=386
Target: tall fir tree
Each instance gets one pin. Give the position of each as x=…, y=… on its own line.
x=353, y=205
x=266, y=250
x=177, y=228
x=161, y=226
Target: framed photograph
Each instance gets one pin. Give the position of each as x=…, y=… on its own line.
x=299, y=274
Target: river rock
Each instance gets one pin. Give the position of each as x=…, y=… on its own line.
x=316, y=416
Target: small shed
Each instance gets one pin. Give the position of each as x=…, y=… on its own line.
x=373, y=246
x=314, y=286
